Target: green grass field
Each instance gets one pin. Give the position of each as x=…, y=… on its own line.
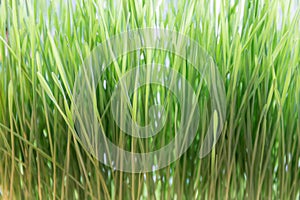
x=254, y=43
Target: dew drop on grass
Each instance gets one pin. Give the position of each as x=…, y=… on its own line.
x=167, y=61
x=171, y=180
x=104, y=84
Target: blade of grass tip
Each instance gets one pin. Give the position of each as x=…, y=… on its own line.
x=67, y=109
x=48, y=91
x=10, y=108
x=59, y=64
x=9, y=48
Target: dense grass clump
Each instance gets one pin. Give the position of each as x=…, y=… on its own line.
x=256, y=46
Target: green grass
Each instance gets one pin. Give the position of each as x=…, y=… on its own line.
x=256, y=49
